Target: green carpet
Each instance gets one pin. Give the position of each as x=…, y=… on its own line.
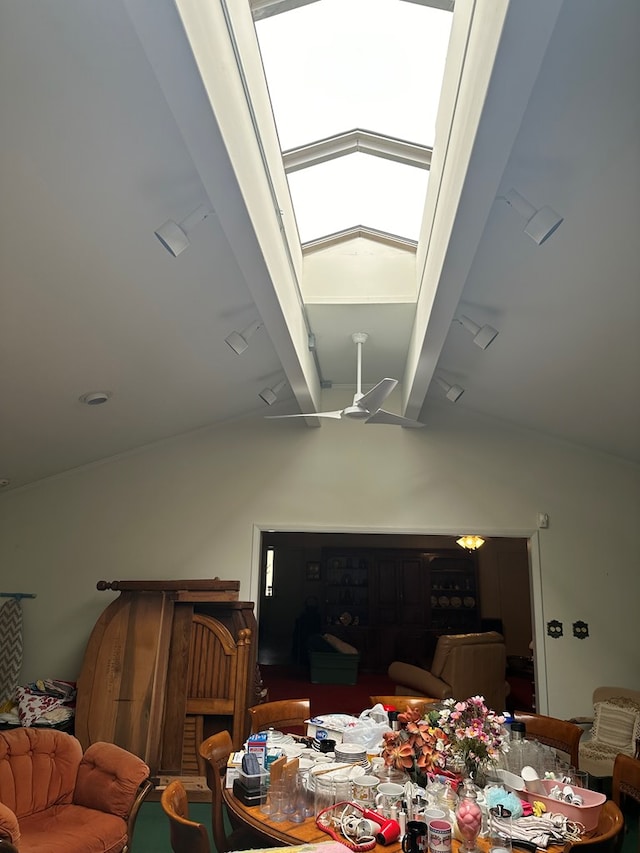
x=152, y=828
x=151, y=834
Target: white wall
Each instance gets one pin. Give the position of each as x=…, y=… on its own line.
x=189, y=508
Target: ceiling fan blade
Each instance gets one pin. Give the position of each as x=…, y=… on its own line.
x=373, y=399
x=336, y=415
x=382, y=417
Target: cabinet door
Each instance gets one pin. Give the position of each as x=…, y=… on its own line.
x=412, y=605
x=387, y=597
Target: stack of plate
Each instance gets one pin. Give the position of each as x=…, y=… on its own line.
x=351, y=753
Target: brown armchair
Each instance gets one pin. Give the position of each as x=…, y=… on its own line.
x=464, y=665
x=54, y=798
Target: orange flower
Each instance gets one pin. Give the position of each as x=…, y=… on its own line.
x=399, y=755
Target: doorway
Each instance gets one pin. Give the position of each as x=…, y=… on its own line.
x=341, y=581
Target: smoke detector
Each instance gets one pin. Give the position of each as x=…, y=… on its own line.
x=95, y=398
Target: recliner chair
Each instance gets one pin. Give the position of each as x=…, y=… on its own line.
x=463, y=665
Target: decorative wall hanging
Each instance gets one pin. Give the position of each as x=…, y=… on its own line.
x=580, y=630
x=554, y=629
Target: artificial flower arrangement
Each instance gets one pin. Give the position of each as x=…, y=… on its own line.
x=466, y=736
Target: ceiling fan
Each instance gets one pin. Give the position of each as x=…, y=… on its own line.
x=365, y=407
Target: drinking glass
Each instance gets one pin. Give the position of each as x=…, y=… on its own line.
x=324, y=798
x=579, y=778
x=500, y=830
x=273, y=804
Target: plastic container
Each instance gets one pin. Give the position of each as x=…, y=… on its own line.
x=586, y=814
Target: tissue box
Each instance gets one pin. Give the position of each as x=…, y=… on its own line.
x=586, y=814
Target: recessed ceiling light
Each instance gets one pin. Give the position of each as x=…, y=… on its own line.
x=4, y=482
x=95, y=398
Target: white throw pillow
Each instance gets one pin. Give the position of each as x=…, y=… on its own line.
x=617, y=722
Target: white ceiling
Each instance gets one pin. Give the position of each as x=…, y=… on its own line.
x=100, y=145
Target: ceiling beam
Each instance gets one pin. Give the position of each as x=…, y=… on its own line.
x=189, y=73
x=495, y=57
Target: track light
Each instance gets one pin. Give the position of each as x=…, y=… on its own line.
x=482, y=335
x=174, y=237
x=239, y=341
x=270, y=395
x=453, y=392
x=540, y=223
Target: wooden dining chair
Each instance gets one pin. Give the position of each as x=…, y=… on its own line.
x=283, y=715
x=401, y=703
x=626, y=781
x=608, y=835
x=186, y=836
x=561, y=735
x=216, y=751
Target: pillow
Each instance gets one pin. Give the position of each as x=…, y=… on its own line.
x=616, y=722
x=31, y=706
x=340, y=645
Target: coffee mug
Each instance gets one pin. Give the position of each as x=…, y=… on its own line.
x=389, y=794
x=432, y=814
x=439, y=836
x=365, y=789
x=415, y=837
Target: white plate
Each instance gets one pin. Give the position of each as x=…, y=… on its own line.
x=351, y=749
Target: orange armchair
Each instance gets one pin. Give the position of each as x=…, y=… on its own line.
x=54, y=798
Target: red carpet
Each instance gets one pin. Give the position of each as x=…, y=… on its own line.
x=285, y=682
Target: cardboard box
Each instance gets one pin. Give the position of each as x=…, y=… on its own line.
x=257, y=744
x=233, y=768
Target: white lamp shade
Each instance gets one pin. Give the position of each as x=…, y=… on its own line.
x=540, y=223
x=172, y=237
x=482, y=336
x=541, y=226
x=237, y=343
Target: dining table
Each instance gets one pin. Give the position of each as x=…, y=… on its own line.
x=287, y=833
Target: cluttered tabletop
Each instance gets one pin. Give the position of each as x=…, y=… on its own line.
x=459, y=777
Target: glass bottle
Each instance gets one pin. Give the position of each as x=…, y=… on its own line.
x=468, y=817
x=516, y=755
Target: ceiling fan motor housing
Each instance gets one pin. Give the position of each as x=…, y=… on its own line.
x=356, y=413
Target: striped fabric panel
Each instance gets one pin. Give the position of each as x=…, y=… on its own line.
x=10, y=647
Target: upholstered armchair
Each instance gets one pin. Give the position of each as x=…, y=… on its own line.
x=54, y=798
x=613, y=729
x=463, y=665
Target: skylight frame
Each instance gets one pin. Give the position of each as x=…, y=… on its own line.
x=311, y=152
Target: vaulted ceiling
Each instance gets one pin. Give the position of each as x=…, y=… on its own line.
x=119, y=116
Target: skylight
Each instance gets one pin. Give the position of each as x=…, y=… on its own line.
x=358, y=190
x=334, y=66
